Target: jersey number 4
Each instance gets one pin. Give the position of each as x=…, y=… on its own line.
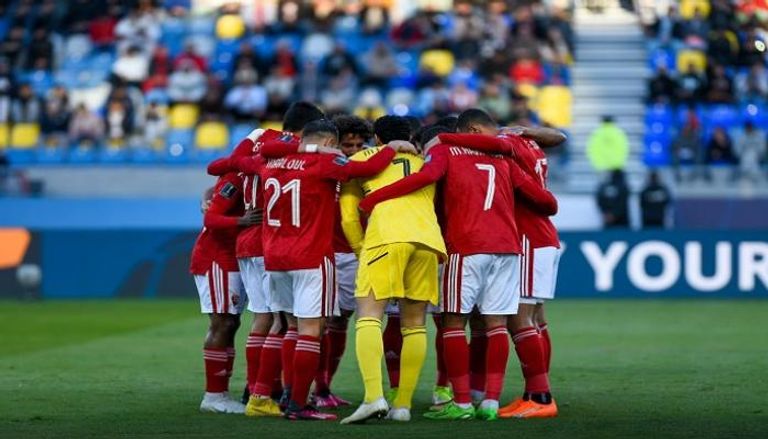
x=294, y=187
x=490, y=189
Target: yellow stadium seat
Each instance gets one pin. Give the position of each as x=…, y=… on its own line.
x=688, y=8
x=440, y=61
x=183, y=116
x=212, y=135
x=4, y=131
x=370, y=113
x=531, y=92
x=555, y=103
x=686, y=58
x=230, y=27
x=271, y=125
x=25, y=135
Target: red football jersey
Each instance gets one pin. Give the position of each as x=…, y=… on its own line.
x=216, y=242
x=300, y=207
x=531, y=222
x=340, y=244
x=249, y=241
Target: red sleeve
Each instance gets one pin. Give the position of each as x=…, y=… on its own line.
x=278, y=148
x=343, y=169
x=249, y=165
x=541, y=200
x=480, y=142
x=226, y=197
x=432, y=171
x=220, y=166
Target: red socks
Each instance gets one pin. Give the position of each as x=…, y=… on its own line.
x=393, y=344
x=497, y=354
x=253, y=346
x=230, y=362
x=442, y=375
x=289, y=344
x=546, y=344
x=456, y=354
x=269, y=365
x=337, y=340
x=305, y=363
x=528, y=347
x=321, y=377
x=216, y=369
x=477, y=350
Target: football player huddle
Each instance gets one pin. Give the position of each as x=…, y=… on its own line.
x=334, y=218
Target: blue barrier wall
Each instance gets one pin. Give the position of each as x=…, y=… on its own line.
x=609, y=264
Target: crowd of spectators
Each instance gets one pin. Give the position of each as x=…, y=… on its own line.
x=347, y=56
x=709, y=61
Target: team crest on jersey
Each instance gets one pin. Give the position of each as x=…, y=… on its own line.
x=228, y=190
x=286, y=138
x=341, y=161
x=428, y=158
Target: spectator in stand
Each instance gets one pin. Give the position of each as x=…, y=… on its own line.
x=750, y=147
x=138, y=28
x=285, y=59
x=527, y=70
x=280, y=89
x=498, y=62
x=247, y=100
x=55, y=120
x=696, y=30
x=720, y=148
x=721, y=14
x=186, y=84
x=374, y=17
x=337, y=61
x=608, y=146
x=468, y=29
x=687, y=150
x=412, y=32
x=521, y=113
x=156, y=125
x=39, y=48
x=340, y=94
x=247, y=56
x=380, y=65
x=690, y=85
x=498, y=26
x=160, y=64
x=654, y=200
x=316, y=46
x=190, y=55
x=102, y=28
x=668, y=26
x=722, y=47
x=554, y=50
x=752, y=86
x=462, y=97
x=26, y=107
x=131, y=67
x=524, y=44
x=85, y=127
x=212, y=103
x=752, y=49
x=47, y=15
x=118, y=123
x=495, y=101
x=719, y=86
x=661, y=88
x=613, y=200
x=12, y=45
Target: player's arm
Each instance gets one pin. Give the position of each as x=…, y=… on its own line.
x=220, y=166
x=343, y=169
x=480, y=142
x=223, y=201
x=351, y=194
x=540, y=199
x=431, y=172
x=543, y=136
x=224, y=165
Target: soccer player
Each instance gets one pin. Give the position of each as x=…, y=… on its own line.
x=399, y=254
x=219, y=286
x=538, y=268
x=354, y=132
x=300, y=194
x=478, y=222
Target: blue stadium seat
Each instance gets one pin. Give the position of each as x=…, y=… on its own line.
x=40, y=81
x=757, y=114
x=238, y=133
x=202, y=25
x=158, y=95
x=21, y=156
x=659, y=113
x=682, y=114
x=178, y=144
x=144, y=155
x=656, y=154
x=662, y=57
x=722, y=115
x=82, y=154
x=207, y=155
x=113, y=155
x=664, y=138
x=51, y=155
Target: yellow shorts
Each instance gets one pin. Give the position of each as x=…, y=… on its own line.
x=398, y=270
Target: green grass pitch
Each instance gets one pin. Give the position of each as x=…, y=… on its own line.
x=620, y=369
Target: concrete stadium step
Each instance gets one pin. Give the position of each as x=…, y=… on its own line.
x=609, y=70
x=591, y=53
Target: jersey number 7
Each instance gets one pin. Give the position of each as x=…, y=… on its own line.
x=490, y=189
x=406, y=165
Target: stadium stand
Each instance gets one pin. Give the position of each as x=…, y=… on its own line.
x=151, y=82
x=707, y=98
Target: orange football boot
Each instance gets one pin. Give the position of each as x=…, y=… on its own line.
x=531, y=409
x=510, y=408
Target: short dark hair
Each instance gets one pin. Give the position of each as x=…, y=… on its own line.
x=320, y=128
x=389, y=128
x=349, y=124
x=432, y=131
x=474, y=116
x=449, y=122
x=415, y=124
x=300, y=114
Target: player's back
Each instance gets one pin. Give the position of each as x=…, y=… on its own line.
x=299, y=212
x=410, y=218
x=477, y=203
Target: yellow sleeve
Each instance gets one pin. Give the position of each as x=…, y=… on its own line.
x=351, y=194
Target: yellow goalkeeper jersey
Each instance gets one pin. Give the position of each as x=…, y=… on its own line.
x=410, y=218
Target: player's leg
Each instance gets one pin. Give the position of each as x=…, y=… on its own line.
x=314, y=293
x=216, y=300
x=497, y=301
x=540, y=320
x=289, y=349
x=442, y=393
x=393, y=345
x=252, y=273
x=477, y=349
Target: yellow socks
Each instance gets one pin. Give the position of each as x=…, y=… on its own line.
x=411, y=361
x=370, y=351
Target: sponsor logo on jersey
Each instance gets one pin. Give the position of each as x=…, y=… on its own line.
x=228, y=190
x=286, y=138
